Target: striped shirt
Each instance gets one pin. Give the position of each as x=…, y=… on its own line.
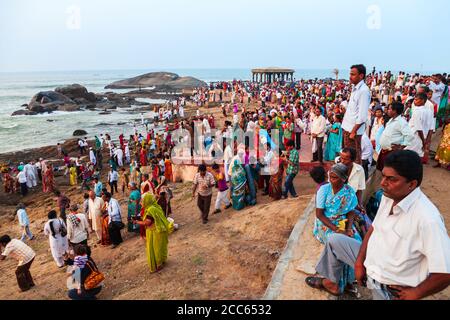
x=20, y=251
x=294, y=158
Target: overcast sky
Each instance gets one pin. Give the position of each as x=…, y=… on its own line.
x=48, y=35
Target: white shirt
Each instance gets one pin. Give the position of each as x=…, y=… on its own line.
x=366, y=149
x=228, y=154
x=410, y=244
x=79, y=233
x=113, y=176
x=114, y=212
x=397, y=131
x=318, y=126
x=420, y=121
x=20, y=251
x=22, y=177
x=357, y=179
x=358, y=108
x=438, y=90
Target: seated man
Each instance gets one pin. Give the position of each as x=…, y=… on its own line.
x=406, y=253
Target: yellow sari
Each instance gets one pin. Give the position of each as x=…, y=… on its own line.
x=73, y=176
x=157, y=235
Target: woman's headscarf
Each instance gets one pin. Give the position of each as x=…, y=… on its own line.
x=154, y=211
x=341, y=171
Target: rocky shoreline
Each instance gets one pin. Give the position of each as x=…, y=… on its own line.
x=75, y=97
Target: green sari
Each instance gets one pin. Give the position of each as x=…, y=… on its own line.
x=134, y=208
x=442, y=108
x=157, y=235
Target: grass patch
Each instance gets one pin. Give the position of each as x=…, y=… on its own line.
x=198, y=261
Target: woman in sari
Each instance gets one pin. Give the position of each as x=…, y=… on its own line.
x=443, y=151
x=73, y=175
x=157, y=230
x=168, y=173
x=334, y=142
x=335, y=204
x=442, y=106
x=134, y=207
x=276, y=179
x=238, y=183
x=106, y=241
x=49, y=185
x=163, y=195
x=8, y=182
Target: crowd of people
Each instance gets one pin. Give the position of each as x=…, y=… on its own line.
x=370, y=126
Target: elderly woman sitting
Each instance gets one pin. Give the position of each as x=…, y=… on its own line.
x=335, y=205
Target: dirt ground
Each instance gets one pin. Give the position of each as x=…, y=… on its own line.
x=230, y=258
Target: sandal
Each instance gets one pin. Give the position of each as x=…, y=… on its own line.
x=317, y=283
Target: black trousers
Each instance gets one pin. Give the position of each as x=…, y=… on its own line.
x=114, y=233
x=24, y=278
x=23, y=189
x=40, y=174
x=318, y=155
x=298, y=140
x=113, y=186
x=204, y=204
x=365, y=165
x=266, y=183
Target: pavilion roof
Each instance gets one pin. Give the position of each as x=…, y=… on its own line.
x=273, y=70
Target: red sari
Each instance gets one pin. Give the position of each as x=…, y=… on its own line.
x=105, y=233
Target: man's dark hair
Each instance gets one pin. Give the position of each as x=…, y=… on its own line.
x=290, y=143
x=407, y=164
x=52, y=214
x=351, y=152
x=202, y=168
x=361, y=69
x=5, y=239
x=107, y=195
x=318, y=174
x=215, y=166
x=422, y=96
x=398, y=107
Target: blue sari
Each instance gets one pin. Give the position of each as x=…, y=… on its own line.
x=238, y=184
x=334, y=143
x=336, y=207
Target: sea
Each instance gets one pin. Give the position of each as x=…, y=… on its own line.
x=24, y=132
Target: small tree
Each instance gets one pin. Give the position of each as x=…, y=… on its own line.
x=336, y=73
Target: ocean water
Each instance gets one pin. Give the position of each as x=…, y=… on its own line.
x=23, y=132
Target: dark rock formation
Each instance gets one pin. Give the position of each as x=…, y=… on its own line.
x=162, y=81
x=75, y=91
x=78, y=133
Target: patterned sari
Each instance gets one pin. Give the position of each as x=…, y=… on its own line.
x=238, y=182
x=443, y=151
x=276, y=182
x=336, y=207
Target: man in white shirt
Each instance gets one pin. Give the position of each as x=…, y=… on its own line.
x=115, y=219
x=318, y=133
x=96, y=205
x=357, y=111
x=92, y=157
x=356, y=176
x=22, y=177
x=113, y=177
x=366, y=154
x=406, y=253
x=420, y=125
x=438, y=88
x=227, y=156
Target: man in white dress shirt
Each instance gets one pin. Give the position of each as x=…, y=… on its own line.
x=318, y=133
x=420, y=125
x=357, y=111
x=406, y=253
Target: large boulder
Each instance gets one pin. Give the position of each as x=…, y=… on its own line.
x=73, y=91
x=44, y=97
x=78, y=133
x=161, y=81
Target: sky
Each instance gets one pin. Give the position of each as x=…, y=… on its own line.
x=48, y=35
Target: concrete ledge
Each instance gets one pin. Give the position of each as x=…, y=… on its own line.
x=274, y=288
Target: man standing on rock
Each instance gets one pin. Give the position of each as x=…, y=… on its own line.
x=357, y=111
x=92, y=157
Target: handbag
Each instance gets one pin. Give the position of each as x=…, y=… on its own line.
x=94, y=278
x=62, y=229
